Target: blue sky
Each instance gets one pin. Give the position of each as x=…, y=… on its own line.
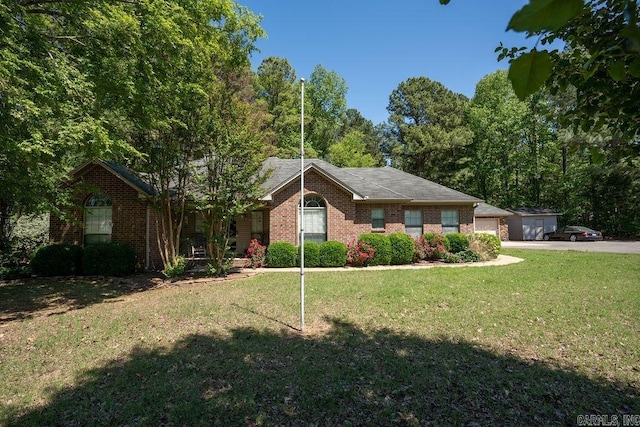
x=375, y=45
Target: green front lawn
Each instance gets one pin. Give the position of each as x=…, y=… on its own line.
x=534, y=343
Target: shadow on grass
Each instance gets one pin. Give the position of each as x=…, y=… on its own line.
x=23, y=299
x=343, y=376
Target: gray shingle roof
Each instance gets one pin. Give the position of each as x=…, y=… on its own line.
x=384, y=184
x=487, y=210
x=129, y=176
x=525, y=211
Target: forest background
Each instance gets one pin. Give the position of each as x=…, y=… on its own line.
x=156, y=84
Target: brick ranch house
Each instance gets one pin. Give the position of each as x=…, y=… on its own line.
x=340, y=204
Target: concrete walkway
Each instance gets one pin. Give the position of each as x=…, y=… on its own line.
x=501, y=260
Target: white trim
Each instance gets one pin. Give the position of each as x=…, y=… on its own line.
x=269, y=196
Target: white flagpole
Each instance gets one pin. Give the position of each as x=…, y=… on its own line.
x=302, y=206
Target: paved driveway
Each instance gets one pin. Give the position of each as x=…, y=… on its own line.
x=616, y=246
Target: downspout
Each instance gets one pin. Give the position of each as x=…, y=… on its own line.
x=147, y=239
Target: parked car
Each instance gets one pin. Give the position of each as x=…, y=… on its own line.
x=573, y=233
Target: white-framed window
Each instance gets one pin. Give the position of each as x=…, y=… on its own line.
x=315, y=219
x=413, y=223
x=377, y=218
x=98, y=219
x=450, y=222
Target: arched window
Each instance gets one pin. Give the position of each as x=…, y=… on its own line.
x=315, y=219
x=97, y=219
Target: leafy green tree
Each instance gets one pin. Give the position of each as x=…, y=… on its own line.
x=599, y=182
x=371, y=137
x=516, y=155
x=278, y=89
x=350, y=151
x=601, y=60
x=428, y=123
x=496, y=117
x=46, y=120
x=228, y=177
x=328, y=105
x=156, y=65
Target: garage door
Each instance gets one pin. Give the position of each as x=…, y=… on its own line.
x=487, y=225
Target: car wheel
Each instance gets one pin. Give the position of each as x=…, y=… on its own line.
x=573, y=238
x=545, y=237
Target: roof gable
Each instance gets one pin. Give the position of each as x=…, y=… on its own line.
x=384, y=184
x=125, y=174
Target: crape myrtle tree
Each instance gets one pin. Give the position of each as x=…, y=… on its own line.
x=154, y=64
x=47, y=119
x=427, y=122
x=228, y=176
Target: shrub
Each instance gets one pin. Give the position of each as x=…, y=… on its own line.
x=402, y=248
x=179, y=268
x=57, y=260
x=333, y=254
x=381, y=245
x=311, y=254
x=29, y=233
x=486, y=245
x=256, y=253
x=359, y=253
x=450, y=258
x=14, y=260
x=108, y=259
x=221, y=270
x=456, y=242
x=435, y=247
x=468, y=256
x=281, y=254
x=420, y=248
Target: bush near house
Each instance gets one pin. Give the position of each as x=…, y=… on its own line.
x=57, y=260
x=456, y=242
x=28, y=234
x=420, y=248
x=463, y=256
x=311, y=254
x=486, y=245
x=108, y=259
x=382, y=246
x=402, y=248
x=332, y=254
x=179, y=268
x=256, y=254
x=359, y=253
x=435, y=246
x=281, y=255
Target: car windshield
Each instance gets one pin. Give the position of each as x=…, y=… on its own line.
x=576, y=228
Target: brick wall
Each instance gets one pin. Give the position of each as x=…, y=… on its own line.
x=346, y=218
x=129, y=213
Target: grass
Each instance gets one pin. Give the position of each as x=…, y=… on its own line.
x=535, y=343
